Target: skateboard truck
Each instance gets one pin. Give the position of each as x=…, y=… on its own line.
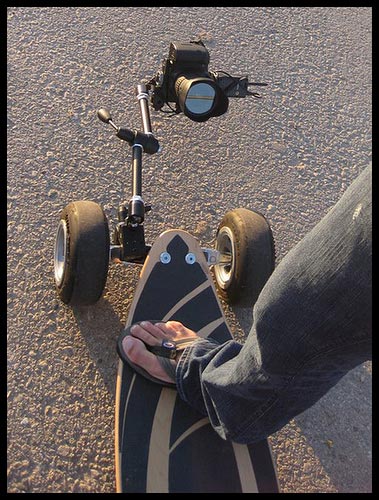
x=214, y=257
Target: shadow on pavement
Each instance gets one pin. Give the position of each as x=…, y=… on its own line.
x=100, y=327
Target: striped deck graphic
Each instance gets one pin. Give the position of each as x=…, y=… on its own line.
x=163, y=445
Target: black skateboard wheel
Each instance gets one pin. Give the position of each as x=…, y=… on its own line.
x=246, y=244
x=81, y=253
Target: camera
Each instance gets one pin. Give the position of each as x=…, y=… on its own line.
x=186, y=82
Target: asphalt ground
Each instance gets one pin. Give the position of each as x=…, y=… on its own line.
x=290, y=155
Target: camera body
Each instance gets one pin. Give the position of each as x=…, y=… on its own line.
x=190, y=59
x=185, y=81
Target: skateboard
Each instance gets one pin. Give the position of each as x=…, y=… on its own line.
x=162, y=445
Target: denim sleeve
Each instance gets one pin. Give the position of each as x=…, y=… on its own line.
x=199, y=367
x=231, y=385
x=312, y=323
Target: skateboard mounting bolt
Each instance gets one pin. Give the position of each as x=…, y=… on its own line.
x=190, y=258
x=165, y=258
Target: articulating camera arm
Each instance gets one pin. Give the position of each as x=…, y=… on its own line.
x=129, y=239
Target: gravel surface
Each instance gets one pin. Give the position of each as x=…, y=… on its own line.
x=290, y=156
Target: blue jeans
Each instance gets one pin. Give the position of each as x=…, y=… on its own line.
x=311, y=325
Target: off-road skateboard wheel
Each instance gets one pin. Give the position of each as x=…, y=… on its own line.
x=81, y=253
x=245, y=241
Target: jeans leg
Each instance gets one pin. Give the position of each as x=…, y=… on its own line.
x=311, y=325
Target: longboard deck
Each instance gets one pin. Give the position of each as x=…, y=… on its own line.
x=162, y=444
